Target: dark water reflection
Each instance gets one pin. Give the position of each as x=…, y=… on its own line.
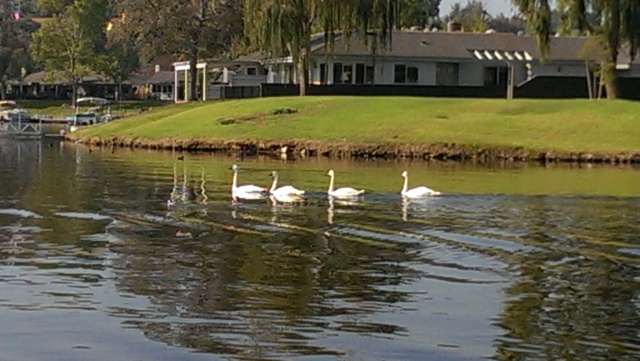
x=94, y=266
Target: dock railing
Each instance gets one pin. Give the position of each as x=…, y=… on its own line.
x=22, y=128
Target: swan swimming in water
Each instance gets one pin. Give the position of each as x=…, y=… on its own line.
x=246, y=191
x=284, y=190
x=342, y=192
x=415, y=192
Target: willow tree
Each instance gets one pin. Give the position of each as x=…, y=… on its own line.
x=616, y=23
x=285, y=27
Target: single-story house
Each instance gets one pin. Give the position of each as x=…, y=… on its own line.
x=449, y=58
x=157, y=86
x=248, y=70
x=441, y=59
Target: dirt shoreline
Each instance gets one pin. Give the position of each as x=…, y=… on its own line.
x=441, y=151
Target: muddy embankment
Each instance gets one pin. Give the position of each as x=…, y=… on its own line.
x=444, y=151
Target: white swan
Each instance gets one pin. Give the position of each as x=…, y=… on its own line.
x=245, y=191
x=342, y=192
x=415, y=192
x=283, y=191
x=285, y=199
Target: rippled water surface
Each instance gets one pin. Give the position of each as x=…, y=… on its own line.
x=510, y=263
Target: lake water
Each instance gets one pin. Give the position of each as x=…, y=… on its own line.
x=512, y=262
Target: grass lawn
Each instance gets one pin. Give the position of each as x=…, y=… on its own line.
x=560, y=125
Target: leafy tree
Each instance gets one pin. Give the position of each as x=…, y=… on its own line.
x=121, y=54
x=68, y=44
x=612, y=22
x=285, y=27
x=504, y=24
x=63, y=50
x=188, y=30
x=14, y=39
x=422, y=13
x=473, y=16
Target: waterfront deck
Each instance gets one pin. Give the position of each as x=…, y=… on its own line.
x=21, y=129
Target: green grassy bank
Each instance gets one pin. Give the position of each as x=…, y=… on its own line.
x=531, y=124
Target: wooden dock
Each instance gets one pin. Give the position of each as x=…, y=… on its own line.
x=21, y=129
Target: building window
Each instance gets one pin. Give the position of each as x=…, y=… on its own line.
x=405, y=74
x=337, y=73
x=252, y=71
x=359, y=73
x=495, y=75
x=369, y=74
x=400, y=73
x=447, y=74
x=347, y=74
x=412, y=74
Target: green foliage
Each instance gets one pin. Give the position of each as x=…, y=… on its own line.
x=14, y=39
x=473, y=16
x=285, y=27
x=121, y=54
x=63, y=50
x=422, y=13
x=187, y=30
x=70, y=43
x=615, y=23
x=537, y=14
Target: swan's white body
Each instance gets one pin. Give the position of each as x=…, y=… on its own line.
x=248, y=191
x=285, y=198
x=283, y=191
x=345, y=192
x=417, y=192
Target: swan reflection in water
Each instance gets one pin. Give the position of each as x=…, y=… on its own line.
x=416, y=204
x=182, y=193
x=284, y=204
x=331, y=209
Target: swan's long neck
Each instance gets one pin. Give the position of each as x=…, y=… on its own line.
x=331, y=183
x=274, y=184
x=406, y=184
x=234, y=184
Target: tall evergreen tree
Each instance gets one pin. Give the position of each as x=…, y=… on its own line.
x=285, y=27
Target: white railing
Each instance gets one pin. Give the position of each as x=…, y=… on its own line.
x=21, y=129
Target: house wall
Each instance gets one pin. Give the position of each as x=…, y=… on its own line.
x=558, y=69
x=278, y=73
x=385, y=72
x=247, y=80
x=633, y=72
x=471, y=74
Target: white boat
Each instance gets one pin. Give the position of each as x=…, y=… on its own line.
x=99, y=112
x=11, y=112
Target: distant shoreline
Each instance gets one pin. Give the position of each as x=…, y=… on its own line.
x=308, y=148
x=481, y=130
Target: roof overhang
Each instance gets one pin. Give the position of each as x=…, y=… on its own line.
x=502, y=55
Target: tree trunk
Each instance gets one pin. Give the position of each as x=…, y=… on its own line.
x=193, y=75
x=611, y=87
x=613, y=43
x=589, y=79
x=74, y=93
x=2, y=92
x=302, y=75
